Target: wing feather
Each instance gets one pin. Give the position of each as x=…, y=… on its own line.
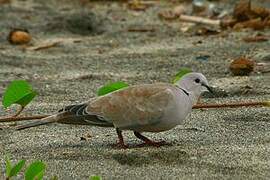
x=135, y=106
x=76, y=114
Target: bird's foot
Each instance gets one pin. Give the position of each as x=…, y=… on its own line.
x=153, y=143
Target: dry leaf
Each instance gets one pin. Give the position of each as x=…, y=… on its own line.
x=256, y=24
x=242, y=66
x=19, y=36
x=261, y=12
x=250, y=16
x=242, y=10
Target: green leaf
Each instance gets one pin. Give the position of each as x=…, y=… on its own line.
x=8, y=166
x=26, y=99
x=180, y=74
x=35, y=171
x=111, y=87
x=39, y=176
x=16, y=169
x=95, y=178
x=18, y=92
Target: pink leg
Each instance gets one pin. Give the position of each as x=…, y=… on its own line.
x=121, y=143
x=148, y=141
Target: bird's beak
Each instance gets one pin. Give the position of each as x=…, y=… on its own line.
x=208, y=88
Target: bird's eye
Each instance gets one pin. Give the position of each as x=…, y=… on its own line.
x=197, y=80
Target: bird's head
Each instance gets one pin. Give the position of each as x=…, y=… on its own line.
x=195, y=84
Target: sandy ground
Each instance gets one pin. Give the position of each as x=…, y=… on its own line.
x=229, y=143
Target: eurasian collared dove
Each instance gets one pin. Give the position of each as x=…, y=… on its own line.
x=141, y=108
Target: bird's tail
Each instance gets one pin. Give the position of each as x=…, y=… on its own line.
x=46, y=120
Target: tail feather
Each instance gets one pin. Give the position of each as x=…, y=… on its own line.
x=47, y=120
x=74, y=114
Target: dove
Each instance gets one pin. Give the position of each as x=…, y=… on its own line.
x=140, y=108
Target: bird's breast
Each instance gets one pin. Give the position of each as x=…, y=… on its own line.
x=178, y=110
x=174, y=115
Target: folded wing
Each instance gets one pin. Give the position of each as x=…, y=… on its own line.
x=133, y=107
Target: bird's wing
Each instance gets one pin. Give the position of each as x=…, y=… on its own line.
x=77, y=114
x=134, y=106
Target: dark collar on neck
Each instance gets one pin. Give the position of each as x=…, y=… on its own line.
x=183, y=90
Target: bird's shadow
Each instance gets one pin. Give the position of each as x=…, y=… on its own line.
x=144, y=157
x=171, y=156
x=175, y=155
x=89, y=151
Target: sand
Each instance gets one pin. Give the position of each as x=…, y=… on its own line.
x=211, y=144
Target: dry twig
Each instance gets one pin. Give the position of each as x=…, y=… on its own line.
x=201, y=20
x=232, y=105
x=18, y=118
x=197, y=106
